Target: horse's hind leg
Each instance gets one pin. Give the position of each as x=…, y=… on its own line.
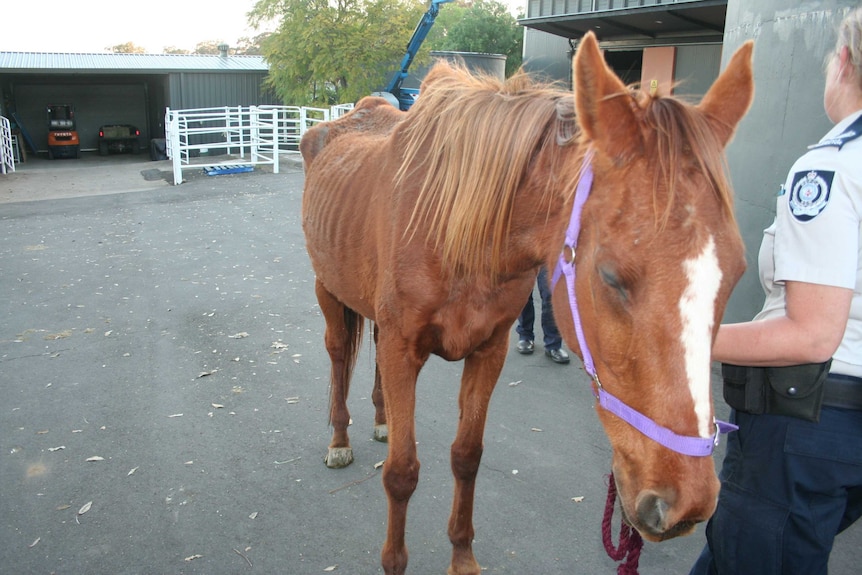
x=381, y=431
x=481, y=370
x=343, y=334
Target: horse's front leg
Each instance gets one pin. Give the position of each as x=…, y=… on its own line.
x=481, y=370
x=399, y=369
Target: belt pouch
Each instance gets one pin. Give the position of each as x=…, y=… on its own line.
x=797, y=390
x=745, y=387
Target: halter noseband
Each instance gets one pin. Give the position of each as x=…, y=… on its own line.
x=686, y=445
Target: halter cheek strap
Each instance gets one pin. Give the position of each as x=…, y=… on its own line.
x=686, y=445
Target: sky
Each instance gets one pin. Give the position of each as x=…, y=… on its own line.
x=95, y=25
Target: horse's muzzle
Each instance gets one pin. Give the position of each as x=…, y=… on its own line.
x=654, y=518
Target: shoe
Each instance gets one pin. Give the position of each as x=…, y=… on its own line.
x=557, y=355
x=525, y=346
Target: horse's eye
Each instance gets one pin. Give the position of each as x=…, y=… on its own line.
x=612, y=280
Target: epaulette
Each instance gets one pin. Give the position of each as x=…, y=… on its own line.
x=852, y=132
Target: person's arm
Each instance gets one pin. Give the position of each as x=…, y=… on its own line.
x=809, y=333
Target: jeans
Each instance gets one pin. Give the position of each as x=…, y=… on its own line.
x=551, y=336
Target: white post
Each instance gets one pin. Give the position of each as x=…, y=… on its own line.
x=275, y=125
x=176, y=158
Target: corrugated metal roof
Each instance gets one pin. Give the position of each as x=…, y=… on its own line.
x=41, y=62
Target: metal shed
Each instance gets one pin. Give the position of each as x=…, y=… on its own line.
x=124, y=88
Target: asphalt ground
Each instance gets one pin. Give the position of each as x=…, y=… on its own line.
x=165, y=393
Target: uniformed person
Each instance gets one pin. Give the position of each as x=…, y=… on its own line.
x=792, y=479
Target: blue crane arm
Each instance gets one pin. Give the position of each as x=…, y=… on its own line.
x=416, y=40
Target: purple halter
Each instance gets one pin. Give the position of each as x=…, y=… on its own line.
x=686, y=445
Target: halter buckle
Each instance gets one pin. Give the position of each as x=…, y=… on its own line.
x=597, y=385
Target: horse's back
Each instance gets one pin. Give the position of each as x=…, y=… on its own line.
x=372, y=116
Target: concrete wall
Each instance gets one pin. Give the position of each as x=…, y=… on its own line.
x=791, y=43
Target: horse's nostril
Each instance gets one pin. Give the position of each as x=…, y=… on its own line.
x=652, y=513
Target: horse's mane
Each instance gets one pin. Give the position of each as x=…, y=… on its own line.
x=471, y=139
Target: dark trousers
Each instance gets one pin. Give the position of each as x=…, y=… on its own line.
x=551, y=336
x=788, y=486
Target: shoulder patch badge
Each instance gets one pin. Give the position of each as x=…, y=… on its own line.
x=809, y=194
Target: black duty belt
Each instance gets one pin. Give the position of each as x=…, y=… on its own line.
x=844, y=391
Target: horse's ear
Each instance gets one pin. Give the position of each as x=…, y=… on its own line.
x=606, y=112
x=730, y=96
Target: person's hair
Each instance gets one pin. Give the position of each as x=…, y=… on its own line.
x=850, y=35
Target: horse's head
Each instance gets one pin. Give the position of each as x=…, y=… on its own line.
x=658, y=255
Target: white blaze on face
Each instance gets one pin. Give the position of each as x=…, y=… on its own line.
x=697, y=309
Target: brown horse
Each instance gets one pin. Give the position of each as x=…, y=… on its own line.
x=433, y=224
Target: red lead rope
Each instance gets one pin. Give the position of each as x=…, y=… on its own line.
x=631, y=543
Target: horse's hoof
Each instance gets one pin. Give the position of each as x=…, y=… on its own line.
x=381, y=432
x=338, y=457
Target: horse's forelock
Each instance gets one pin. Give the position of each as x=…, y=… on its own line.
x=681, y=131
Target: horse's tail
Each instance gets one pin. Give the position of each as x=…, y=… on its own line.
x=354, y=328
x=354, y=324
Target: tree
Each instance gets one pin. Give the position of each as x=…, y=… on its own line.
x=174, y=50
x=127, y=48
x=484, y=26
x=208, y=47
x=246, y=46
x=334, y=51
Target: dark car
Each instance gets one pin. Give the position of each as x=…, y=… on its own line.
x=119, y=138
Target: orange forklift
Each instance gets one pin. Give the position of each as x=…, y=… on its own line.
x=62, y=137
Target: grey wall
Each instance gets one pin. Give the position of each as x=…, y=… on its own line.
x=697, y=67
x=190, y=90
x=791, y=43
x=547, y=56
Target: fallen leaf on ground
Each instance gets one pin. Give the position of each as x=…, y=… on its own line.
x=192, y=557
x=60, y=335
x=85, y=508
x=58, y=448
x=96, y=458
x=578, y=499
x=34, y=543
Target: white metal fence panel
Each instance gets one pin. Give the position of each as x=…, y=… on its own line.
x=238, y=130
x=339, y=110
x=7, y=156
x=259, y=132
